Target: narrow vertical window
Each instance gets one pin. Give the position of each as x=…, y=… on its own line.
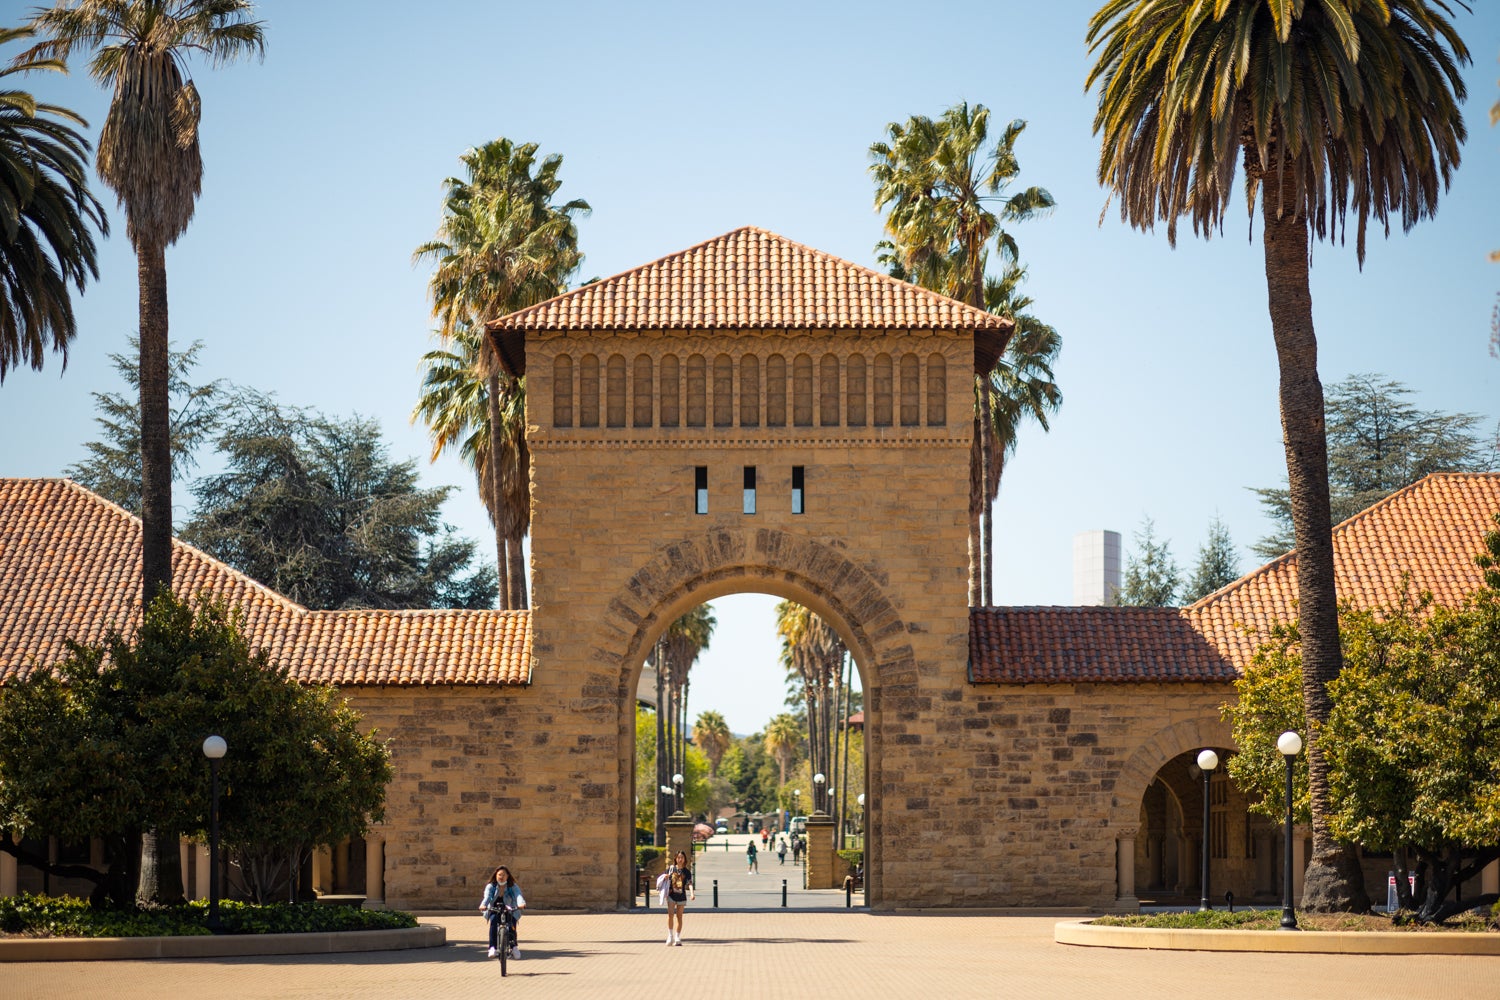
x=749, y=489
x=797, y=487
x=776, y=391
x=723, y=391
x=911, y=391
x=828, y=391
x=697, y=390
x=562, y=391
x=641, y=395
x=749, y=391
x=700, y=487
x=614, y=391
x=671, y=373
x=588, y=391
x=937, y=391
x=855, y=407
x=802, y=391
x=882, y=390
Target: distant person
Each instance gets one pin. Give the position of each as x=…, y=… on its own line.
x=679, y=891
x=781, y=849
x=752, y=863
x=796, y=849
x=764, y=836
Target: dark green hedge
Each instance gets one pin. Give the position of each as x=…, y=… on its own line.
x=67, y=916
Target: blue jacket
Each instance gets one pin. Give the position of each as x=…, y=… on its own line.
x=513, y=899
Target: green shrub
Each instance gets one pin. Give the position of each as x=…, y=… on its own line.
x=853, y=858
x=68, y=916
x=645, y=855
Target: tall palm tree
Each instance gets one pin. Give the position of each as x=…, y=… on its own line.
x=942, y=182
x=46, y=215
x=813, y=651
x=781, y=739
x=149, y=156
x=712, y=736
x=1332, y=107
x=501, y=246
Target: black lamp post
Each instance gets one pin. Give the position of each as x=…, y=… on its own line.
x=818, y=798
x=677, y=791
x=796, y=804
x=1290, y=745
x=213, y=748
x=1207, y=761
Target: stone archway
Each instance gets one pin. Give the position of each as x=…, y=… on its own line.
x=721, y=561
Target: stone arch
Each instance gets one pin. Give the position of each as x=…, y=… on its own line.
x=1142, y=767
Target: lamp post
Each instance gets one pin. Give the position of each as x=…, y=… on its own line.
x=677, y=786
x=213, y=748
x=1207, y=760
x=818, y=800
x=661, y=800
x=1290, y=745
x=796, y=804
x=861, y=801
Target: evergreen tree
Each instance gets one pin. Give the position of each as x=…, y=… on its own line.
x=1378, y=442
x=1151, y=576
x=113, y=468
x=1218, y=565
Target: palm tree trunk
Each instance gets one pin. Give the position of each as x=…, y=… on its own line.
x=661, y=746
x=497, y=492
x=976, y=494
x=517, y=574
x=1334, y=881
x=156, y=424
x=502, y=571
x=987, y=509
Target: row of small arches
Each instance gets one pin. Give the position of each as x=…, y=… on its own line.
x=885, y=391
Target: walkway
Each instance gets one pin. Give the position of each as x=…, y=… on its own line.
x=758, y=954
x=724, y=859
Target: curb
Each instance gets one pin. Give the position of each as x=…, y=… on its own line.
x=1085, y=934
x=219, y=946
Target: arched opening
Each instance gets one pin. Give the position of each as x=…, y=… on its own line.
x=787, y=802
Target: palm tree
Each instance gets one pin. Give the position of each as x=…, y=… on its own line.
x=149, y=156
x=711, y=734
x=46, y=212
x=501, y=246
x=940, y=179
x=812, y=649
x=1332, y=107
x=781, y=739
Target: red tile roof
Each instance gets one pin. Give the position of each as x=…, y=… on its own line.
x=748, y=279
x=1430, y=530
x=70, y=569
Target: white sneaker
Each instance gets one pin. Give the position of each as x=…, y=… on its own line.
x=515, y=952
x=669, y=939
x=493, y=953
x=677, y=940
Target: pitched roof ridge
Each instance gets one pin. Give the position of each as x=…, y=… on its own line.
x=415, y=612
x=1375, y=509
x=1076, y=608
x=508, y=320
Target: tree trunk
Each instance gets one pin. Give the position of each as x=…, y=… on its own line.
x=156, y=424
x=497, y=493
x=976, y=504
x=661, y=746
x=987, y=506
x=1334, y=881
x=519, y=597
x=502, y=572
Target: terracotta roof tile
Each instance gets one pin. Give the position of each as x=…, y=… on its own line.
x=748, y=279
x=70, y=569
x=1424, y=537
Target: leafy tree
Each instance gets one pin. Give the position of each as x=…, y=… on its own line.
x=46, y=215
x=783, y=736
x=939, y=179
x=113, y=468
x=502, y=245
x=1218, y=565
x=1414, y=740
x=1151, y=575
x=109, y=744
x=711, y=734
x=1333, y=107
x=313, y=508
x=1377, y=444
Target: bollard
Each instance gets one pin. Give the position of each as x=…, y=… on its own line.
x=849, y=893
x=783, y=893
x=1229, y=898
x=716, y=894
x=648, y=886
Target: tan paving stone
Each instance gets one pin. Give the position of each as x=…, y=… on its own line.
x=752, y=954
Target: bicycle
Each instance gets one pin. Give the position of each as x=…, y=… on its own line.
x=506, y=934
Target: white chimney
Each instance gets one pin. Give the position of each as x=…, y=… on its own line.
x=1096, y=567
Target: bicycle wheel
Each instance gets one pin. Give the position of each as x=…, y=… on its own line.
x=504, y=937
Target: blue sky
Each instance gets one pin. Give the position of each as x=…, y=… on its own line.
x=678, y=122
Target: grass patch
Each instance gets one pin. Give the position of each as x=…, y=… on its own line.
x=67, y=916
x=1270, y=920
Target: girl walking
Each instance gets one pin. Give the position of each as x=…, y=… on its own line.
x=679, y=891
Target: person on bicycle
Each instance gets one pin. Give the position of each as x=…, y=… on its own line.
x=679, y=891
x=502, y=891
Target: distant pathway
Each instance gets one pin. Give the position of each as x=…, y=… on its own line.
x=739, y=890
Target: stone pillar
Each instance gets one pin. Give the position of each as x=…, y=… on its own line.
x=679, y=836
x=1299, y=863
x=825, y=869
x=1489, y=879
x=1265, y=868
x=1125, y=898
x=185, y=850
x=322, y=873
x=374, y=873
x=7, y=875
x=201, y=866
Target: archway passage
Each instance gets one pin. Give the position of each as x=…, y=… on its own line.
x=776, y=803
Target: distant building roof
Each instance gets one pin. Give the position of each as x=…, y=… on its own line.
x=752, y=280
x=70, y=569
x=1423, y=537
